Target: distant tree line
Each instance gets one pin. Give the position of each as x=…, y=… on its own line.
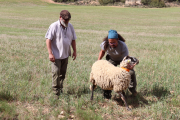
x=154, y=3
x=157, y=3
x=149, y=3
x=65, y=0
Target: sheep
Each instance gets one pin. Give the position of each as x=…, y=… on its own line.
x=108, y=77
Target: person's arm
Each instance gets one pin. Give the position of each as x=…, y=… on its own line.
x=51, y=56
x=101, y=54
x=74, y=49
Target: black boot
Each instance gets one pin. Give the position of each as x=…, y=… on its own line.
x=107, y=94
x=133, y=91
x=133, y=84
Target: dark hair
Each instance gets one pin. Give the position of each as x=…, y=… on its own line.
x=107, y=42
x=65, y=15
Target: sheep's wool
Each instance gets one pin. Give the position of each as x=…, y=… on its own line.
x=109, y=77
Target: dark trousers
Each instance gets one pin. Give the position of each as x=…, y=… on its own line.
x=107, y=93
x=59, y=68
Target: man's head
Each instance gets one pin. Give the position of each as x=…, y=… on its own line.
x=65, y=16
x=113, y=38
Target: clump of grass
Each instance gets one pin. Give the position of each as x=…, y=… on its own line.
x=86, y=111
x=9, y=111
x=87, y=115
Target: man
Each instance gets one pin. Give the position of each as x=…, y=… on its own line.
x=59, y=39
x=114, y=45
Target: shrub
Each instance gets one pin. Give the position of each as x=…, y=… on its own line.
x=157, y=3
x=154, y=3
x=118, y=1
x=64, y=0
x=123, y=1
x=104, y=2
x=145, y=2
x=172, y=0
x=111, y=2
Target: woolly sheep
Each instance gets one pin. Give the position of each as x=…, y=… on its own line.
x=109, y=77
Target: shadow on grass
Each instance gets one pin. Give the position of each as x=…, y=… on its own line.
x=140, y=100
x=78, y=92
x=159, y=91
x=7, y=111
x=5, y=95
x=134, y=101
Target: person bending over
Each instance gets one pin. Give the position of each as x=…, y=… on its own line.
x=115, y=48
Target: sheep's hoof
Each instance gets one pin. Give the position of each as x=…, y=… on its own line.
x=129, y=109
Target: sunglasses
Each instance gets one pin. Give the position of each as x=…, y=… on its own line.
x=112, y=43
x=66, y=20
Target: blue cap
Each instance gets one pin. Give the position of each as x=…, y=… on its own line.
x=112, y=34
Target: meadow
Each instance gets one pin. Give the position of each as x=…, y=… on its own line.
x=152, y=36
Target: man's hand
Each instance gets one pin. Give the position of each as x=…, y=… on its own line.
x=101, y=54
x=51, y=58
x=74, y=55
x=74, y=49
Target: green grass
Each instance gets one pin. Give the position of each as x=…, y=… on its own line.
x=152, y=35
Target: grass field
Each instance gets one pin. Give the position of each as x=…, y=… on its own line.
x=152, y=35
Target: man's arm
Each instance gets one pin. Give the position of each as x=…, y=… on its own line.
x=101, y=54
x=51, y=56
x=74, y=49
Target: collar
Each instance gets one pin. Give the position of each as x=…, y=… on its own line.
x=59, y=22
x=125, y=69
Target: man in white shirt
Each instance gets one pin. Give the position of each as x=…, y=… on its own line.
x=59, y=38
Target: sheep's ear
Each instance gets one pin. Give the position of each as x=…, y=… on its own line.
x=137, y=62
x=125, y=58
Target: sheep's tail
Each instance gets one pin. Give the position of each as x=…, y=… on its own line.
x=92, y=81
x=91, y=77
x=91, y=87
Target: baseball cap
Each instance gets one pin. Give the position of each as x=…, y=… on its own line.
x=65, y=15
x=112, y=34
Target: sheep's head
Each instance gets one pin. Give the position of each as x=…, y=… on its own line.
x=129, y=62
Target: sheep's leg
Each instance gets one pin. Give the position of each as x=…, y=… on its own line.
x=124, y=94
x=124, y=100
x=92, y=91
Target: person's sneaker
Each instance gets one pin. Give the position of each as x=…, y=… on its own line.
x=107, y=96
